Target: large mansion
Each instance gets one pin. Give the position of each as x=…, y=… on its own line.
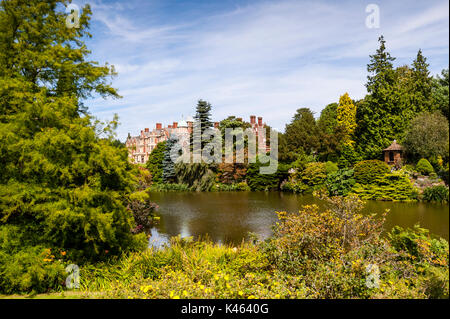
x=139, y=147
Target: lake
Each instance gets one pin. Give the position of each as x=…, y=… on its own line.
x=228, y=217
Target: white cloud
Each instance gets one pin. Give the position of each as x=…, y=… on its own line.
x=266, y=59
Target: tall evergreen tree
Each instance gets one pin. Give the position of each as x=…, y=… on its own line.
x=380, y=117
x=62, y=185
x=168, y=165
x=420, y=94
x=202, y=122
x=155, y=162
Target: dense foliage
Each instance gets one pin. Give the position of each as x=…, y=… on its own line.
x=438, y=193
x=428, y=137
x=424, y=167
x=155, y=162
x=63, y=182
x=366, y=172
x=390, y=187
x=331, y=253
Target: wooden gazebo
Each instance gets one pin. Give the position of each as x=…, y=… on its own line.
x=393, y=155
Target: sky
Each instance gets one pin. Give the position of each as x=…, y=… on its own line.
x=263, y=58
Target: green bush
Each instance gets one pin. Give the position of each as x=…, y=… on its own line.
x=366, y=172
x=32, y=269
x=340, y=183
x=220, y=187
x=314, y=174
x=263, y=182
x=390, y=187
x=424, y=167
x=169, y=188
x=349, y=156
x=435, y=194
x=331, y=167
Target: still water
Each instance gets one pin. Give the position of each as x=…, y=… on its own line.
x=228, y=217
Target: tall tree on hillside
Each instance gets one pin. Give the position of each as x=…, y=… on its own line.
x=302, y=132
x=440, y=93
x=420, y=94
x=380, y=117
x=62, y=185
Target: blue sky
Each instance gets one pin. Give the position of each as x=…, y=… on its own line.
x=266, y=58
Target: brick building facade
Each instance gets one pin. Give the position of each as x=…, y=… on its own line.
x=139, y=147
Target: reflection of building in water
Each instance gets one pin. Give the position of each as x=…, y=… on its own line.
x=139, y=147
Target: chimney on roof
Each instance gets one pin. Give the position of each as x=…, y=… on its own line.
x=147, y=129
x=175, y=124
x=252, y=119
x=216, y=125
x=158, y=126
x=260, y=123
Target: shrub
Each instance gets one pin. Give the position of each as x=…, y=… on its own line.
x=310, y=235
x=390, y=187
x=349, y=156
x=169, y=188
x=143, y=211
x=314, y=174
x=262, y=182
x=444, y=174
x=198, y=176
x=32, y=269
x=424, y=167
x=331, y=167
x=366, y=172
x=340, y=183
x=242, y=186
x=229, y=173
x=436, y=194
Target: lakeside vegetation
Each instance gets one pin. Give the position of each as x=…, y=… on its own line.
x=68, y=194
x=331, y=153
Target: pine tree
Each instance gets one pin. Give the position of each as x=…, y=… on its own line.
x=202, y=122
x=155, y=162
x=420, y=95
x=380, y=117
x=168, y=165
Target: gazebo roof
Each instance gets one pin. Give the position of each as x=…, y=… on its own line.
x=394, y=147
